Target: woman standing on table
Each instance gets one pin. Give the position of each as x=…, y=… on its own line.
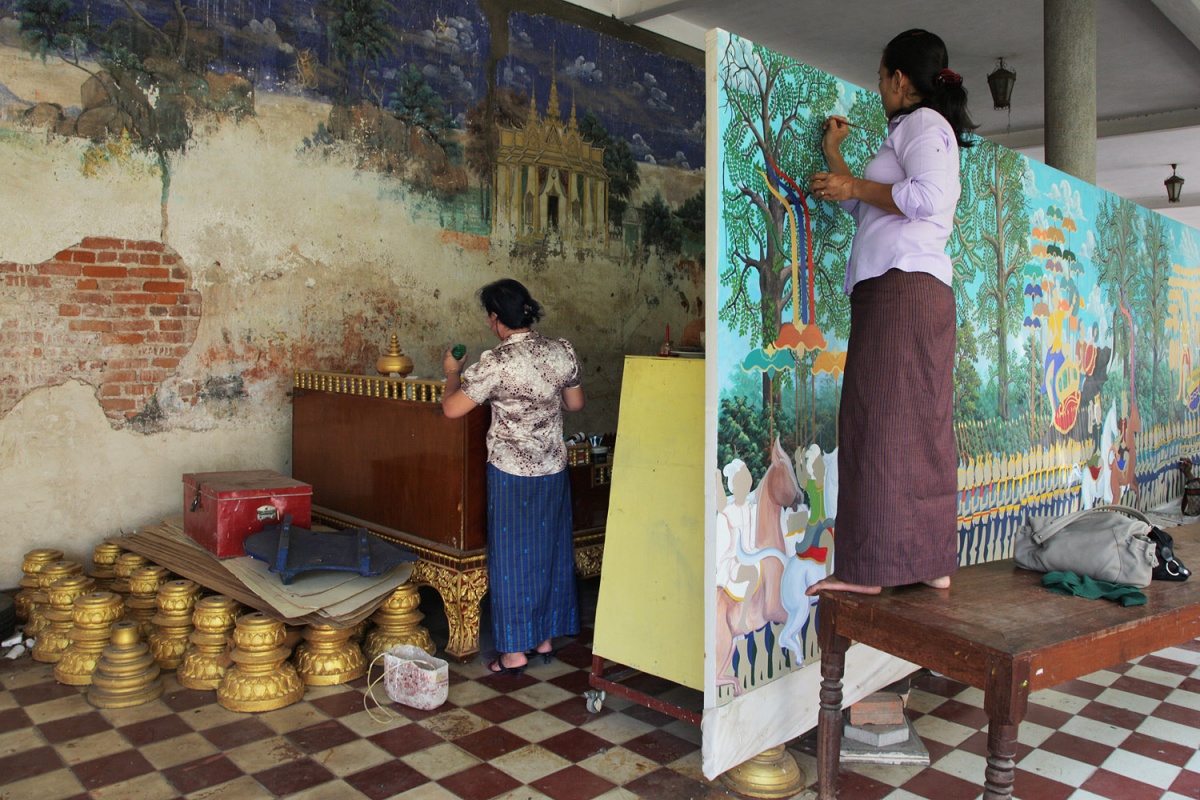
x=529, y=380
x=897, y=460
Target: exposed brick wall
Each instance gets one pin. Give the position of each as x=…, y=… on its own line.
x=115, y=313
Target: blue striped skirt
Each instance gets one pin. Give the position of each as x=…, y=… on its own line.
x=531, y=559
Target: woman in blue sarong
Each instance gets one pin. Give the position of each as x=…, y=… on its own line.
x=529, y=380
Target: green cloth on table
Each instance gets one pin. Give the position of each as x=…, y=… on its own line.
x=1083, y=586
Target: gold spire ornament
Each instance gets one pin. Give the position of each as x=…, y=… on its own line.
x=31, y=565
x=55, y=638
x=205, y=661
x=260, y=678
x=104, y=564
x=126, y=674
x=40, y=597
x=124, y=566
x=92, y=617
x=173, y=622
x=398, y=622
x=394, y=362
x=142, y=603
x=329, y=656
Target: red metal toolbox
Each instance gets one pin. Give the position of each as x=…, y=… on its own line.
x=220, y=509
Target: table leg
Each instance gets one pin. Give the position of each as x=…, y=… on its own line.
x=461, y=593
x=829, y=718
x=1005, y=701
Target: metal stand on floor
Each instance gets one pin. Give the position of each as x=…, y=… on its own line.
x=604, y=682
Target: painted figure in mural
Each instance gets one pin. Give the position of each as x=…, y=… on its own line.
x=898, y=464
x=756, y=576
x=529, y=380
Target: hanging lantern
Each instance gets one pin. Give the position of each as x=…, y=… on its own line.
x=1001, y=82
x=1174, y=186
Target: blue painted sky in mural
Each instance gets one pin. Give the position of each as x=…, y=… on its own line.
x=654, y=101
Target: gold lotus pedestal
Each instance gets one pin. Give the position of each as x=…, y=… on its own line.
x=771, y=774
x=142, y=603
x=398, y=622
x=329, y=656
x=104, y=564
x=40, y=597
x=31, y=565
x=204, y=662
x=55, y=638
x=173, y=622
x=126, y=674
x=124, y=566
x=260, y=678
x=93, y=615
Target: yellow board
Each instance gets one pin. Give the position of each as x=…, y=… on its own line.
x=650, y=613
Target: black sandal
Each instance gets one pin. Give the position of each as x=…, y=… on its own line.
x=496, y=667
x=547, y=656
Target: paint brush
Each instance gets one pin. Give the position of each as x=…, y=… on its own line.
x=850, y=124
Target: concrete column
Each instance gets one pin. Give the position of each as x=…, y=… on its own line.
x=1069, y=37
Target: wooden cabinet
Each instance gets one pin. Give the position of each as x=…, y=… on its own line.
x=398, y=463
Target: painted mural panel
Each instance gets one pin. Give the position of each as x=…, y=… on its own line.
x=202, y=198
x=1074, y=380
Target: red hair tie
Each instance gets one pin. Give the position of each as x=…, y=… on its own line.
x=947, y=77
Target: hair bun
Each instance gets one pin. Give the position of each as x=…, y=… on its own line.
x=947, y=77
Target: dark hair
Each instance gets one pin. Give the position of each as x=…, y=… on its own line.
x=922, y=56
x=511, y=303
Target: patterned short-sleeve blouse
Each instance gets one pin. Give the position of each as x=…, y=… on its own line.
x=523, y=378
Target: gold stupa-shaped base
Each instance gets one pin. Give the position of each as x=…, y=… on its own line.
x=329, y=656
x=55, y=638
x=104, y=563
x=260, y=679
x=204, y=662
x=772, y=773
x=126, y=674
x=397, y=622
x=31, y=566
x=93, y=615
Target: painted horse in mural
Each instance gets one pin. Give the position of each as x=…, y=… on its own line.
x=764, y=599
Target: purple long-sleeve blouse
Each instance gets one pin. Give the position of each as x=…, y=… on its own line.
x=920, y=161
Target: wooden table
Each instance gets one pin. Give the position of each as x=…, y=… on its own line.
x=997, y=629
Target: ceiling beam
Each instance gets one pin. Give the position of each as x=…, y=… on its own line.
x=636, y=12
x=1122, y=126
x=1185, y=15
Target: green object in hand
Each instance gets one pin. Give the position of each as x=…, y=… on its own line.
x=459, y=351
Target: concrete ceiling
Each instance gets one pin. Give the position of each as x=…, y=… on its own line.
x=1148, y=68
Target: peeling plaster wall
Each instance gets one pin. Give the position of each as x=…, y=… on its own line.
x=302, y=263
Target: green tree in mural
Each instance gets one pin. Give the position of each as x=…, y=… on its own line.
x=1118, y=251
x=415, y=102
x=990, y=240
x=360, y=34
x=776, y=109
x=659, y=227
x=966, y=376
x=1151, y=298
x=692, y=213
x=153, y=76
x=619, y=163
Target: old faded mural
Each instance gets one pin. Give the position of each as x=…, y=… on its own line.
x=203, y=198
x=1075, y=381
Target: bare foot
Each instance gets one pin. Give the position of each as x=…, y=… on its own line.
x=833, y=584
x=939, y=583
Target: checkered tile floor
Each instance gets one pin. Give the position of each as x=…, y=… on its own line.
x=1127, y=733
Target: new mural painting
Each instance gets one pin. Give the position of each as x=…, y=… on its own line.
x=1074, y=378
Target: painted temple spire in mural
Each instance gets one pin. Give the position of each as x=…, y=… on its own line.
x=548, y=178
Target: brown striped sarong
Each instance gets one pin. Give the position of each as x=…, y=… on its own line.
x=897, y=462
